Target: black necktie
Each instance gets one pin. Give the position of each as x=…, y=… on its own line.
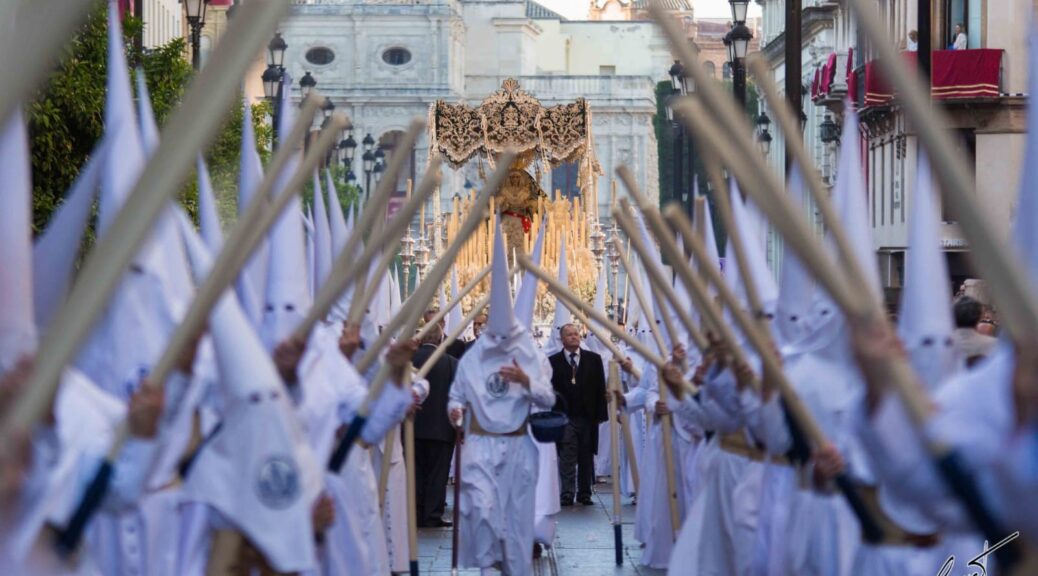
x=573, y=365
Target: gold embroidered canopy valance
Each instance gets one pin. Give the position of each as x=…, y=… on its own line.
x=512, y=118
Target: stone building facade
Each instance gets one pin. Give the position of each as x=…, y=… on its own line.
x=989, y=124
x=384, y=62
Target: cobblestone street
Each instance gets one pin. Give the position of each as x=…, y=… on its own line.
x=583, y=544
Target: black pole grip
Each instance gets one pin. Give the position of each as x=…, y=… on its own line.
x=871, y=531
x=618, y=543
x=954, y=471
x=342, y=449
x=68, y=539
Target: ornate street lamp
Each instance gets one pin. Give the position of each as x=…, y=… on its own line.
x=347, y=150
x=828, y=130
x=367, y=164
x=368, y=142
x=764, y=140
x=763, y=121
x=274, y=81
x=195, y=12
x=276, y=51
x=739, y=8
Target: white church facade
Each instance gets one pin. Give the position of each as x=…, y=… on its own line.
x=384, y=62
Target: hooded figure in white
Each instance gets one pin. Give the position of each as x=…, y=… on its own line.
x=255, y=474
x=974, y=410
x=499, y=380
x=65, y=455
x=253, y=276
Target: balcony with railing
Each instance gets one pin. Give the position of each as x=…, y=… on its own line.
x=955, y=75
x=597, y=90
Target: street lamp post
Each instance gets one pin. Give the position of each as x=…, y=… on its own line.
x=195, y=12
x=829, y=133
x=763, y=134
x=274, y=81
x=738, y=44
x=367, y=163
x=683, y=84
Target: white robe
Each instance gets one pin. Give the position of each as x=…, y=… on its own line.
x=394, y=512
x=499, y=473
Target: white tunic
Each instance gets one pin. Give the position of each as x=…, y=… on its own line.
x=498, y=473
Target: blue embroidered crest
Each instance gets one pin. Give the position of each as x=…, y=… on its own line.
x=496, y=385
x=277, y=483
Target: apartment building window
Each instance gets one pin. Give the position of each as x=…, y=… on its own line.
x=895, y=184
x=710, y=68
x=969, y=14
x=607, y=70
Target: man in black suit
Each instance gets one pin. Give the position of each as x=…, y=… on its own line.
x=434, y=435
x=578, y=376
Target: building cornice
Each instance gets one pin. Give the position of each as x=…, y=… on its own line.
x=815, y=19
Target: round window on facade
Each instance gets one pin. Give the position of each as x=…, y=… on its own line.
x=320, y=56
x=396, y=56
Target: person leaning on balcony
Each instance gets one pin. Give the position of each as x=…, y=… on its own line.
x=960, y=37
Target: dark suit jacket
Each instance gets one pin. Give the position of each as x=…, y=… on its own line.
x=457, y=349
x=431, y=422
x=591, y=387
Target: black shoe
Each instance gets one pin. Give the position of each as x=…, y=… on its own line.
x=440, y=523
x=586, y=501
x=565, y=503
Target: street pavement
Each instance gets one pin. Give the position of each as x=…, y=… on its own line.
x=583, y=543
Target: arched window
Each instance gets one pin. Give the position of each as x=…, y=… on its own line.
x=710, y=68
x=726, y=70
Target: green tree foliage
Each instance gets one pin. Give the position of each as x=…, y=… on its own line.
x=66, y=117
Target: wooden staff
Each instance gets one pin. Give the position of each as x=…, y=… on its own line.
x=701, y=295
x=1007, y=280
x=32, y=47
x=575, y=304
x=1010, y=287
x=724, y=208
x=658, y=282
x=666, y=420
x=383, y=472
x=343, y=269
x=193, y=124
x=625, y=424
x=798, y=412
x=601, y=334
x=387, y=240
x=614, y=456
x=412, y=510
x=454, y=335
x=459, y=441
x=757, y=180
x=410, y=313
x=441, y=314
x=258, y=218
